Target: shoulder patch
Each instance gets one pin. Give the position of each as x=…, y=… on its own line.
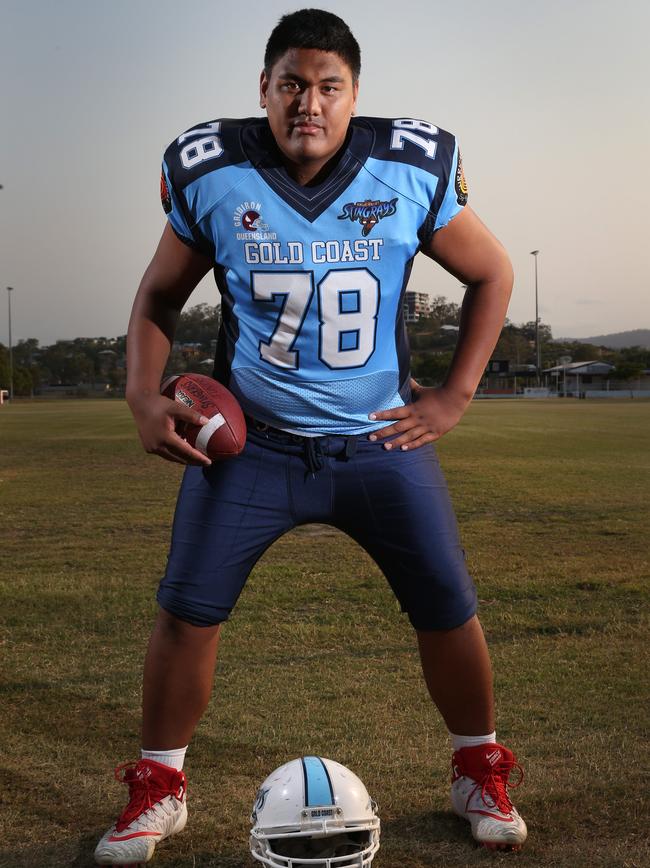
x=165, y=197
x=461, y=183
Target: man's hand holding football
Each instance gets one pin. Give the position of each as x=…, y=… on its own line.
x=156, y=418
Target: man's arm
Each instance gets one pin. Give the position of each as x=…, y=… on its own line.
x=166, y=285
x=469, y=251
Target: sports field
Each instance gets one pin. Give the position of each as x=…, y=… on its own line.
x=552, y=498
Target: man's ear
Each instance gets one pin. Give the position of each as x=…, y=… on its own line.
x=264, y=86
x=355, y=92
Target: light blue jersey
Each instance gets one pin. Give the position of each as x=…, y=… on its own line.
x=312, y=279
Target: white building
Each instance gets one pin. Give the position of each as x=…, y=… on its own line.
x=576, y=378
x=416, y=305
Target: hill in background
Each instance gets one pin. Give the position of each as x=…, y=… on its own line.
x=617, y=340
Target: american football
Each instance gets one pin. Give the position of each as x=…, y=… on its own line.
x=224, y=435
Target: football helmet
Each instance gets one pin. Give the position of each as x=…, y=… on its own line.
x=314, y=812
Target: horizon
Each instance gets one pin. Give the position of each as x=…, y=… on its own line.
x=187, y=307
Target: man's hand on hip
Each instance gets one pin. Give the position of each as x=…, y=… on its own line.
x=432, y=413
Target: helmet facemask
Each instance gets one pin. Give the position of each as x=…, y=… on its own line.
x=335, y=851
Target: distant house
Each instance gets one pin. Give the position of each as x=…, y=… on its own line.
x=503, y=377
x=576, y=378
x=188, y=349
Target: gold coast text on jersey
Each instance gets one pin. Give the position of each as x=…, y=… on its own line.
x=295, y=253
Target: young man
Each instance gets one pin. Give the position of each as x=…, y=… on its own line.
x=311, y=218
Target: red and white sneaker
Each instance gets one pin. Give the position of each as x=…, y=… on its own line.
x=156, y=809
x=479, y=793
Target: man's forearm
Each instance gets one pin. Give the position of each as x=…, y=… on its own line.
x=149, y=341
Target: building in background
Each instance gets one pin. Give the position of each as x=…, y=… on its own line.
x=416, y=305
x=597, y=379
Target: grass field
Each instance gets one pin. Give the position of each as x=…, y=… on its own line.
x=552, y=499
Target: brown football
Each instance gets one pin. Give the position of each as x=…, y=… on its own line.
x=224, y=435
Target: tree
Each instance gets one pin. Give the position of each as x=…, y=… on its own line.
x=431, y=368
x=545, y=333
x=199, y=324
x=627, y=371
x=641, y=355
x=514, y=346
x=68, y=362
x=4, y=367
x=444, y=312
x=24, y=380
x=23, y=383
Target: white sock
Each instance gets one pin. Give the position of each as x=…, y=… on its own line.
x=459, y=741
x=173, y=758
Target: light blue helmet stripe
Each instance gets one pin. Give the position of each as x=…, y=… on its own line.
x=318, y=787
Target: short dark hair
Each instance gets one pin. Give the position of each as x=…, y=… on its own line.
x=313, y=28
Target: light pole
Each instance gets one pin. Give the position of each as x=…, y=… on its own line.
x=538, y=355
x=11, y=354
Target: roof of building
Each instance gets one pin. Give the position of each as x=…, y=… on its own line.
x=593, y=367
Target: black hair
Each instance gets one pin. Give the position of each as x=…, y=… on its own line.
x=313, y=28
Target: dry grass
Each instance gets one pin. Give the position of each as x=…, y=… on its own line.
x=552, y=501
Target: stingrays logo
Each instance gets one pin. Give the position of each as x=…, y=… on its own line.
x=368, y=213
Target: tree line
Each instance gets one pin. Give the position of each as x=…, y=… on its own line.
x=433, y=338
x=82, y=363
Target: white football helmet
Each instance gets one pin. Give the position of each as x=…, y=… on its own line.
x=314, y=812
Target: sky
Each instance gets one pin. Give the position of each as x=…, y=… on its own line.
x=549, y=102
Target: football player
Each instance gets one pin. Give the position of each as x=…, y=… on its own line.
x=311, y=218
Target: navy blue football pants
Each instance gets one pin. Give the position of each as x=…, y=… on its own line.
x=394, y=504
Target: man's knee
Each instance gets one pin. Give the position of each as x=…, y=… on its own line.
x=181, y=615
x=443, y=608
x=464, y=625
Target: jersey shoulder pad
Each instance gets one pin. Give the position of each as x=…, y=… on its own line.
x=412, y=142
x=186, y=191
x=205, y=148
x=422, y=162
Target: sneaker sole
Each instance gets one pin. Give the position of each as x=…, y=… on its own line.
x=504, y=846
x=178, y=828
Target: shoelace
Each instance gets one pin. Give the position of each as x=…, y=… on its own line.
x=143, y=794
x=496, y=784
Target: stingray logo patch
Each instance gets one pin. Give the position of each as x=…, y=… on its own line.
x=368, y=213
x=461, y=183
x=165, y=198
x=248, y=216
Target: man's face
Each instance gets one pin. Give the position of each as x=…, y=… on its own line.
x=309, y=98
